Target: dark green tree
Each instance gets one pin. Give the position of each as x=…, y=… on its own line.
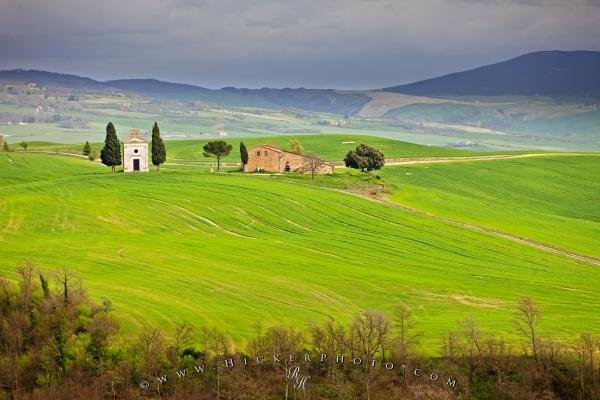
x=243, y=155
x=5, y=146
x=218, y=149
x=365, y=158
x=45, y=287
x=24, y=145
x=87, y=149
x=159, y=154
x=111, y=153
x=375, y=158
x=353, y=160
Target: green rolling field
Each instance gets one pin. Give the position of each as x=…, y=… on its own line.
x=231, y=249
x=554, y=200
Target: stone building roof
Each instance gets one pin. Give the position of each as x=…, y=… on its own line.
x=270, y=147
x=135, y=136
x=277, y=149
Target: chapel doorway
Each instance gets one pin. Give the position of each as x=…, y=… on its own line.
x=136, y=164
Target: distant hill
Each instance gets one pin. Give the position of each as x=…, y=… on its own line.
x=156, y=88
x=319, y=100
x=568, y=73
x=324, y=100
x=51, y=79
x=546, y=73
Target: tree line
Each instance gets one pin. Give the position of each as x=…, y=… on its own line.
x=364, y=157
x=110, y=155
x=56, y=343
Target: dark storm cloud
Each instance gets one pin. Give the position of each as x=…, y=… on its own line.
x=333, y=43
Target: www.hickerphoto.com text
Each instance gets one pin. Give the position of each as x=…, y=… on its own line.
x=292, y=364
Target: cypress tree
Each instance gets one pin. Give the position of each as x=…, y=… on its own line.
x=159, y=154
x=111, y=153
x=243, y=155
x=45, y=288
x=87, y=149
x=5, y=146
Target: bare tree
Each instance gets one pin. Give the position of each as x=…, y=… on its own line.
x=281, y=343
x=408, y=336
x=330, y=339
x=216, y=343
x=151, y=344
x=369, y=337
x=586, y=349
x=183, y=338
x=474, y=338
x=67, y=280
x=499, y=354
x=312, y=165
x=528, y=317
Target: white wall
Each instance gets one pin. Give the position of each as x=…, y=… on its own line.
x=130, y=155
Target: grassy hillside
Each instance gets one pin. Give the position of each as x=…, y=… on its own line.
x=230, y=250
x=555, y=200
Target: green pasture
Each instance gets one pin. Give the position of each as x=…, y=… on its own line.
x=231, y=250
x=551, y=199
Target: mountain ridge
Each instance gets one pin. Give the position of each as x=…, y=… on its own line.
x=553, y=72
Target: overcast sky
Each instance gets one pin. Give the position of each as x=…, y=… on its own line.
x=279, y=43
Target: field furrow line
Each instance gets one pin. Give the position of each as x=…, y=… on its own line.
x=207, y=221
x=505, y=235
x=479, y=228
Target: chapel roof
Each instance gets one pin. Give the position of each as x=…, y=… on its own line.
x=135, y=136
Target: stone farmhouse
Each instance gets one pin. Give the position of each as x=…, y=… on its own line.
x=274, y=159
x=135, y=152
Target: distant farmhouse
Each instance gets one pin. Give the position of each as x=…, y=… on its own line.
x=135, y=152
x=274, y=159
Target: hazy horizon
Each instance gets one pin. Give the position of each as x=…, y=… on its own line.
x=353, y=44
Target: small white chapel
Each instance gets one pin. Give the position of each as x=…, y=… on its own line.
x=135, y=149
